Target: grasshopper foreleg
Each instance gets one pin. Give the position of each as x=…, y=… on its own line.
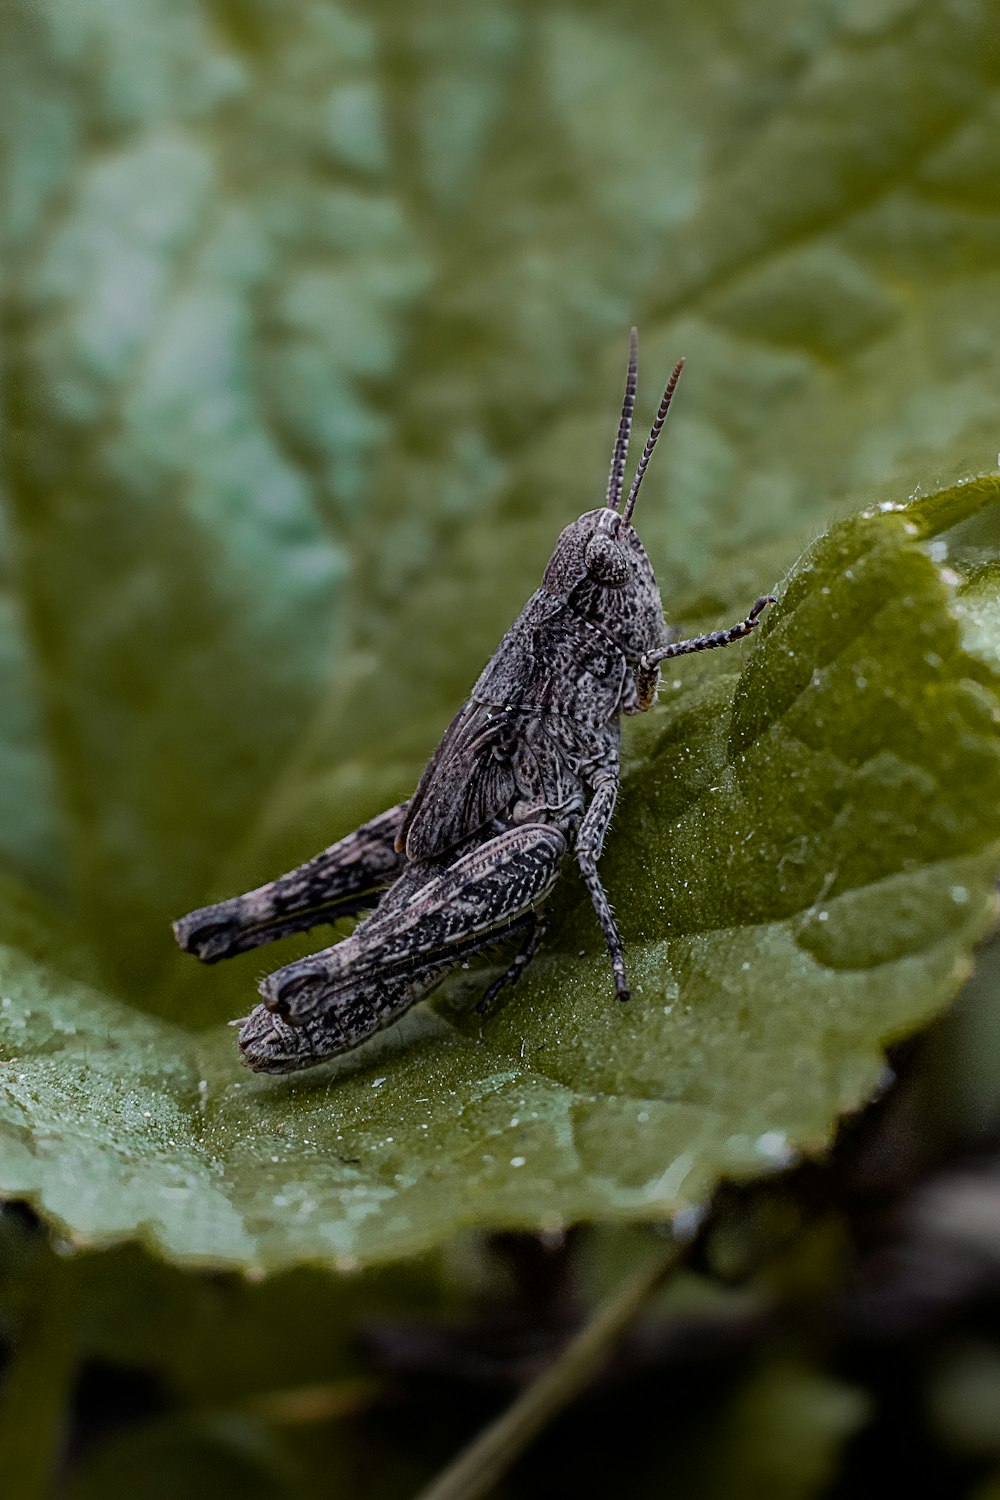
x=348, y=877
x=710, y=642
x=589, y=843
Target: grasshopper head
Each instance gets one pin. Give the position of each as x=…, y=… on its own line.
x=599, y=564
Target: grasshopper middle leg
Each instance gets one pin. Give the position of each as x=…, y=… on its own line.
x=522, y=958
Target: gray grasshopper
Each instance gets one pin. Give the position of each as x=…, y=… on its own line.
x=526, y=774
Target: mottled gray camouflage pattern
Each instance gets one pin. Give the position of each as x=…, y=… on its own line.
x=526, y=773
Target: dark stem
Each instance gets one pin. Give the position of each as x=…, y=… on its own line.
x=489, y=1456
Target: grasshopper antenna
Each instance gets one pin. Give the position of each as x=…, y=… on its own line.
x=616, y=478
x=651, y=440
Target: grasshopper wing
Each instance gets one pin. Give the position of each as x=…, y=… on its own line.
x=468, y=782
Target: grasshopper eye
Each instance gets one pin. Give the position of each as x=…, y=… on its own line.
x=605, y=560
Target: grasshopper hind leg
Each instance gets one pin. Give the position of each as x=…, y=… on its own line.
x=430, y=921
x=344, y=880
x=272, y=1041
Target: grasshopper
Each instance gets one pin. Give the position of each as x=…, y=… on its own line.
x=526, y=774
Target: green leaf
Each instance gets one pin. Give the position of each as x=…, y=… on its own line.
x=803, y=860
x=178, y=481
x=30, y=835
x=310, y=324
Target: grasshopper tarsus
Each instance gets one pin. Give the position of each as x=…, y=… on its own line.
x=526, y=774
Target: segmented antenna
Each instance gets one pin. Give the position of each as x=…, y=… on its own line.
x=651, y=440
x=616, y=478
